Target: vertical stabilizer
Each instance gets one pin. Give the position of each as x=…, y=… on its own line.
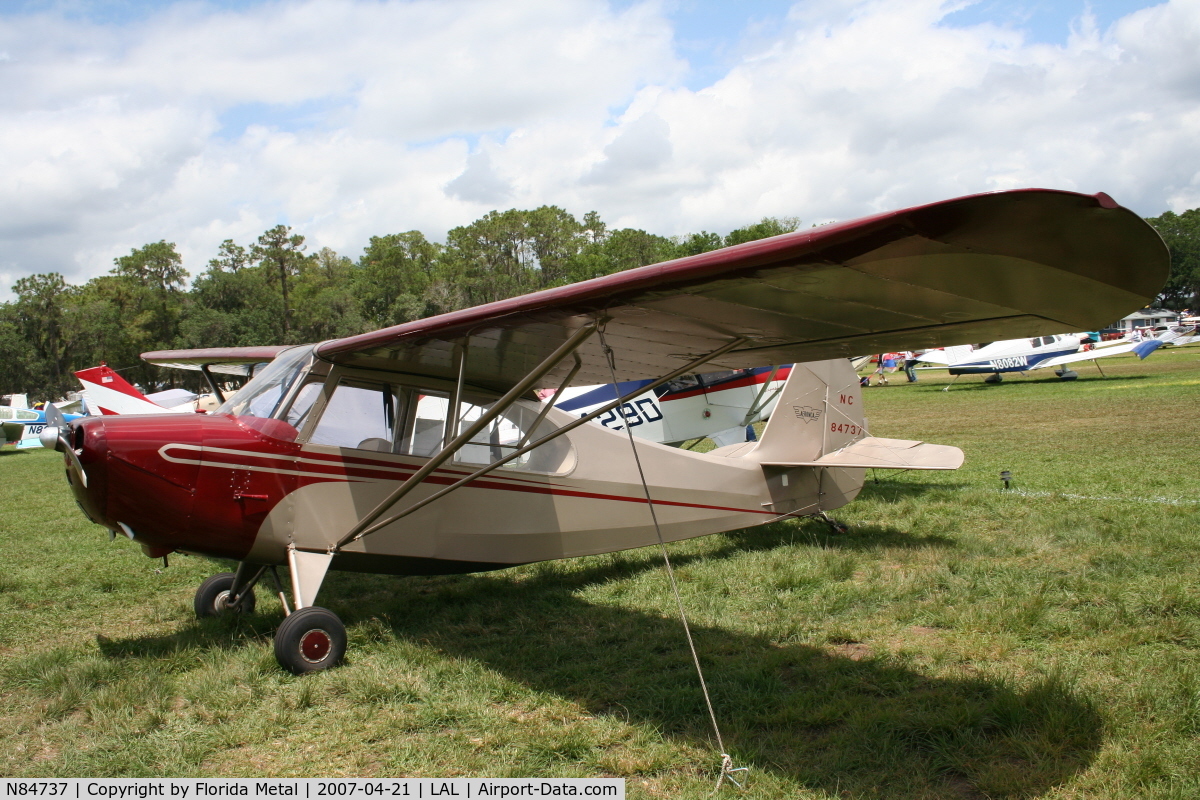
x=109, y=393
x=819, y=411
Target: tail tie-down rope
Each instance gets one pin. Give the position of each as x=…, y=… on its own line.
x=727, y=768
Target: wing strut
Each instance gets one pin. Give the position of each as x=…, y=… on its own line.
x=361, y=530
x=727, y=768
x=761, y=399
x=499, y=407
x=212, y=383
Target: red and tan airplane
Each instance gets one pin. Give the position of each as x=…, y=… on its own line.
x=423, y=449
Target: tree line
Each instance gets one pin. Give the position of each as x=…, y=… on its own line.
x=274, y=291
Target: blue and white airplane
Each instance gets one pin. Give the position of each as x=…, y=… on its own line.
x=719, y=405
x=1040, y=352
x=22, y=425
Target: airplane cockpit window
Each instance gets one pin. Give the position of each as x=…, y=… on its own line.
x=713, y=378
x=682, y=383
x=359, y=414
x=298, y=411
x=510, y=432
x=426, y=429
x=262, y=396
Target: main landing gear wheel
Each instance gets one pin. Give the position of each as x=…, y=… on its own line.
x=310, y=639
x=212, y=598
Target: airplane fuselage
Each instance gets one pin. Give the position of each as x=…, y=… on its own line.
x=246, y=487
x=1015, y=355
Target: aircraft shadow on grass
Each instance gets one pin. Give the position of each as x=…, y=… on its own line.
x=842, y=717
x=828, y=717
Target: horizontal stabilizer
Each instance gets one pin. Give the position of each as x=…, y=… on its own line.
x=876, y=453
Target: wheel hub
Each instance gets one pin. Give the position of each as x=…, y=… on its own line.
x=315, y=645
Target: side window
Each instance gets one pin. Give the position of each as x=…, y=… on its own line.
x=359, y=414
x=508, y=433
x=426, y=429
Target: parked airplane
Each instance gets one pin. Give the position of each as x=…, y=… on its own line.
x=22, y=425
x=719, y=405
x=1024, y=355
x=684, y=410
x=108, y=393
x=331, y=458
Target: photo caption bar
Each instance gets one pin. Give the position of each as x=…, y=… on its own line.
x=313, y=788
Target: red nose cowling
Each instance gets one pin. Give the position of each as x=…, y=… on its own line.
x=200, y=484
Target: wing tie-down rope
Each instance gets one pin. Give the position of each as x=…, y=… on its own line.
x=727, y=768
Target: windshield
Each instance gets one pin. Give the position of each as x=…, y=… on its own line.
x=262, y=395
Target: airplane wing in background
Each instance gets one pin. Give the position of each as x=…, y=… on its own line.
x=222, y=360
x=977, y=268
x=1141, y=349
x=13, y=431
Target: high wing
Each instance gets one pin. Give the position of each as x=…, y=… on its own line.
x=977, y=268
x=223, y=360
x=1142, y=349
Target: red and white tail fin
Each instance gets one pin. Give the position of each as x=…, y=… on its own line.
x=109, y=393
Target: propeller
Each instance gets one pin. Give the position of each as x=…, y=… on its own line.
x=58, y=424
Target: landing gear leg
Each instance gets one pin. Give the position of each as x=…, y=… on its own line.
x=310, y=638
x=227, y=592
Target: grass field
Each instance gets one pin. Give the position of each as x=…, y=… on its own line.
x=958, y=642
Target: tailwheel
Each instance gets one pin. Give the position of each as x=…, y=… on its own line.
x=212, y=598
x=310, y=639
x=835, y=527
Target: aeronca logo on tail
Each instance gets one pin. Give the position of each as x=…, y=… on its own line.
x=1009, y=363
x=807, y=413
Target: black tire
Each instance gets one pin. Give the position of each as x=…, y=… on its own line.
x=210, y=600
x=309, y=640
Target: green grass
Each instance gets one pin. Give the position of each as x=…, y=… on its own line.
x=958, y=642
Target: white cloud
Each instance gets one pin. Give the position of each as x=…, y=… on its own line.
x=372, y=117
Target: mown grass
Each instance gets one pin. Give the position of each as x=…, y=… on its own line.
x=959, y=642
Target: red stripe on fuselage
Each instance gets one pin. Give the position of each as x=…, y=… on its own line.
x=344, y=473
x=736, y=383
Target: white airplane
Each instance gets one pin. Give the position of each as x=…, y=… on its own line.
x=107, y=393
x=719, y=405
x=1038, y=352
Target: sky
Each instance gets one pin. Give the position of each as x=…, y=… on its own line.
x=126, y=122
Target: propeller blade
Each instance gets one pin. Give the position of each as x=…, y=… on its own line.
x=55, y=417
x=65, y=447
